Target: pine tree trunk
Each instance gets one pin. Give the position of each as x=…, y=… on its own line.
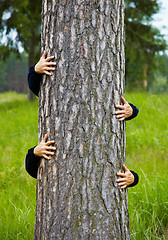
x=77, y=194
x=31, y=60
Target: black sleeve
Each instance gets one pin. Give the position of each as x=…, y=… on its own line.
x=136, y=179
x=32, y=163
x=135, y=112
x=34, y=80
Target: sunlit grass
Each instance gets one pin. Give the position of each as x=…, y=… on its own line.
x=17, y=190
x=147, y=154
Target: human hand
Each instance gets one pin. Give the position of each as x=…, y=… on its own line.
x=127, y=178
x=125, y=110
x=44, y=65
x=43, y=149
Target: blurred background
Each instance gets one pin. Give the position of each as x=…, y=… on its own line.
x=146, y=44
x=147, y=134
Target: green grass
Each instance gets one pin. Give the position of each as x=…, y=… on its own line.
x=147, y=154
x=18, y=123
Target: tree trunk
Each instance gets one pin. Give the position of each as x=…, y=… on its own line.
x=32, y=45
x=31, y=61
x=77, y=194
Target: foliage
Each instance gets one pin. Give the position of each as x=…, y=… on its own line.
x=159, y=85
x=24, y=18
x=160, y=79
x=143, y=41
x=13, y=74
x=146, y=154
x=3, y=73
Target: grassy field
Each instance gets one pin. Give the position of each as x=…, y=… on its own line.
x=18, y=123
x=147, y=154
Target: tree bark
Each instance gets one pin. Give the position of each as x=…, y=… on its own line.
x=31, y=61
x=77, y=194
x=34, y=40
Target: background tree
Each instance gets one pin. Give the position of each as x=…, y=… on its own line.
x=3, y=73
x=77, y=194
x=13, y=74
x=24, y=18
x=160, y=81
x=143, y=41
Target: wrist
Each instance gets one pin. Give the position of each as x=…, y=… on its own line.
x=131, y=110
x=133, y=179
x=36, y=68
x=35, y=151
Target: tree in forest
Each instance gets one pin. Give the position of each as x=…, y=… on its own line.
x=3, y=74
x=143, y=42
x=77, y=194
x=24, y=18
x=160, y=82
x=13, y=73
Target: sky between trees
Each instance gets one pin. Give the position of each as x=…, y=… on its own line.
x=160, y=19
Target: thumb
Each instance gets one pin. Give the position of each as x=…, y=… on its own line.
x=123, y=100
x=44, y=55
x=124, y=168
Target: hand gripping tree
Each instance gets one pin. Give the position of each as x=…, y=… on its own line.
x=77, y=194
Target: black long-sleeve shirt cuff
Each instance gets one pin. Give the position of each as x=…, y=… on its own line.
x=32, y=163
x=34, y=80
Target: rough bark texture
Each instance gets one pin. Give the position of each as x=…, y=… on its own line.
x=31, y=61
x=77, y=194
